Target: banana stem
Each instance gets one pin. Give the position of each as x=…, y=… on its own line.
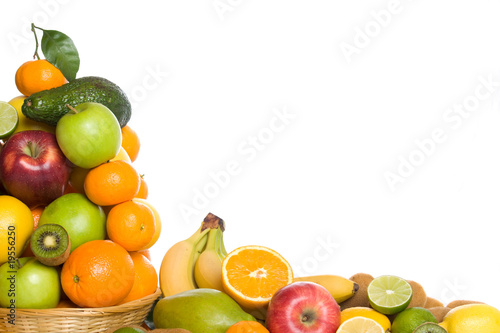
x=212, y=221
x=219, y=245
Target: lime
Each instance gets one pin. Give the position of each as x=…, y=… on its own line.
x=409, y=319
x=8, y=119
x=360, y=324
x=389, y=294
x=429, y=328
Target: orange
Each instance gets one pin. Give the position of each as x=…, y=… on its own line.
x=247, y=326
x=111, y=183
x=98, y=273
x=130, y=142
x=156, y=236
x=35, y=212
x=145, y=253
x=131, y=224
x=146, y=278
x=251, y=275
x=16, y=226
x=143, y=189
x=37, y=75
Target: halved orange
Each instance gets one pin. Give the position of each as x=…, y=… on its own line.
x=251, y=275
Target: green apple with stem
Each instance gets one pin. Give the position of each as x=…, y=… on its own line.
x=28, y=284
x=89, y=134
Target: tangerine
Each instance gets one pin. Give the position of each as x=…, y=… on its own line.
x=37, y=75
x=247, y=326
x=112, y=183
x=146, y=278
x=143, y=189
x=156, y=236
x=130, y=142
x=131, y=224
x=98, y=273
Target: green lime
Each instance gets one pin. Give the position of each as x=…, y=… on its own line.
x=8, y=119
x=389, y=294
x=408, y=320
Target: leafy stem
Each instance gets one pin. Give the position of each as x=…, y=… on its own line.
x=35, y=55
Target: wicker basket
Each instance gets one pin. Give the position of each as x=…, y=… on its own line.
x=78, y=319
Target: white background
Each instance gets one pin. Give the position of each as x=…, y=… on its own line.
x=207, y=81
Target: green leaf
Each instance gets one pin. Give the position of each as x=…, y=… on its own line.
x=61, y=52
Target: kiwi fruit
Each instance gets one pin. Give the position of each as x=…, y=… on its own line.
x=429, y=328
x=360, y=298
x=51, y=245
x=460, y=302
x=439, y=312
x=432, y=303
x=419, y=297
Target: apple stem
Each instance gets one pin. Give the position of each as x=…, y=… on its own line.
x=31, y=149
x=71, y=108
x=18, y=263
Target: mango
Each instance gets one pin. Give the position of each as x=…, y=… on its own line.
x=199, y=310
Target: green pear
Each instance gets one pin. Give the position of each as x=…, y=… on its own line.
x=199, y=310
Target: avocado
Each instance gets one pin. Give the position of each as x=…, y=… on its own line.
x=48, y=106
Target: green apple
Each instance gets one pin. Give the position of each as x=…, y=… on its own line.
x=89, y=135
x=29, y=284
x=83, y=220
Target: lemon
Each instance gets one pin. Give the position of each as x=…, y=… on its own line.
x=26, y=123
x=122, y=155
x=360, y=324
x=366, y=312
x=469, y=318
x=16, y=227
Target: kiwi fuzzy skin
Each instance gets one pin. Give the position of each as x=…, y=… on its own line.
x=360, y=298
x=459, y=302
x=419, y=297
x=439, y=312
x=432, y=303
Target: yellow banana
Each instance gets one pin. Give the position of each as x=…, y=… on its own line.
x=208, y=267
x=339, y=287
x=177, y=266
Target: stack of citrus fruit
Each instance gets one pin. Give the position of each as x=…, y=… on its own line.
x=105, y=271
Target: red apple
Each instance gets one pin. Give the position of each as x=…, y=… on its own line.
x=33, y=167
x=303, y=307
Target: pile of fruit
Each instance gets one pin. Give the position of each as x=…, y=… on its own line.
x=253, y=289
x=76, y=228
x=76, y=225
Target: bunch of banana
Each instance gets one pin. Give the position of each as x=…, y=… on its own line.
x=339, y=287
x=178, y=264
x=208, y=267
